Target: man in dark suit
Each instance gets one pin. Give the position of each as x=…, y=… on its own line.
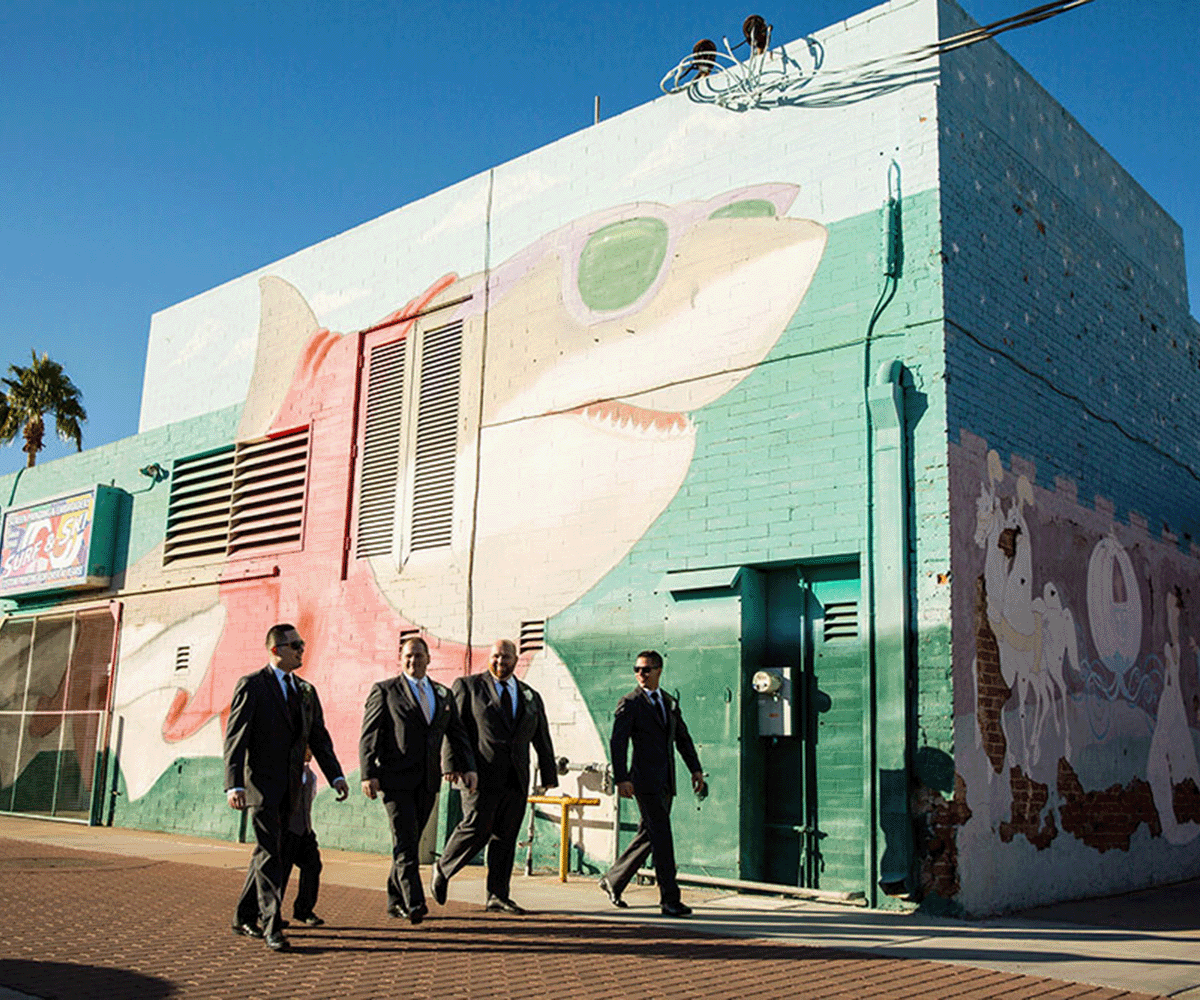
x=504, y=717
x=271, y=720
x=404, y=723
x=650, y=718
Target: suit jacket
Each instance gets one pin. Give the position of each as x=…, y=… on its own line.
x=399, y=748
x=653, y=769
x=264, y=752
x=502, y=744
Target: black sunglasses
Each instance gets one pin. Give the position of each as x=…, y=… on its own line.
x=296, y=644
x=645, y=670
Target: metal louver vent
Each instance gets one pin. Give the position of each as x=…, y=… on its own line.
x=198, y=507
x=841, y=621
x=268, y=491
x=533, y=636
x=437, y=439
x=240, y=497
x=383, y=432
x=183, y=657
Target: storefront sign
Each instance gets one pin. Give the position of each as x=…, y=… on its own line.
x=61, y=544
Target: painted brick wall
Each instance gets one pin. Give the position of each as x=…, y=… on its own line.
x=1071, y=369
x=1065, y=278
x=117, y=464
x=779, y=464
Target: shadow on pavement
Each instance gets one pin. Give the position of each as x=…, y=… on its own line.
x=63, y=981
x=1163, y=908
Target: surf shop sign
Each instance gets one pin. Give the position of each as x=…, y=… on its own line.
x=65, y=543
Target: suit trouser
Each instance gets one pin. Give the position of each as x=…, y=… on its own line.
x=263, y=889
x=408, y=811
x=492, y=817
x=300, y=850
x=653, y=835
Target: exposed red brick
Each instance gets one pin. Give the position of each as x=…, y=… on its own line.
x=936, y=837
x=1186, y=798
x=1105, y=819
x=991, y=692
x=1029, y=798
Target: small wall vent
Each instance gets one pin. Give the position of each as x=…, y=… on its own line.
x=533, y=636
x=841, y=621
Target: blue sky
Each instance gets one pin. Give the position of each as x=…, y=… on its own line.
x=152, y=150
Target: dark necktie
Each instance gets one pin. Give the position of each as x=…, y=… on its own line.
x=658, y=707
x=506, y=705
x=293, y=700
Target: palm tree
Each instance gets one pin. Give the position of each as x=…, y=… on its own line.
x=32, y=392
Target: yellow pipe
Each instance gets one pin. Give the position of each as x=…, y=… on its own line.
x=564, y=802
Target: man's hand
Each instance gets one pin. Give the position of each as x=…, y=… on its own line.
x=237, y=798
x=468, y=779
x=342, y=789
x=697, y=781
x=625, y=789
x=370, y=787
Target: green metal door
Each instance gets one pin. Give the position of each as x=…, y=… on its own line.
x=786, y=759
x=838, y=731
x=791, y=809
x=703, y=670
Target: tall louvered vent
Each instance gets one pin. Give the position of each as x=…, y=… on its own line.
x=198, y=508
x=841, y=621
x=437, y=439
x=241, y=497
x=268, y=491
x=383, y=431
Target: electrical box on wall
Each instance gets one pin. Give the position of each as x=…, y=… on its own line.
x=773, y=688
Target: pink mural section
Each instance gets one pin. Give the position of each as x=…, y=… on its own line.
x=352, y=632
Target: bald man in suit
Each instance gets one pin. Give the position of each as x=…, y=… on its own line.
x=504, y=719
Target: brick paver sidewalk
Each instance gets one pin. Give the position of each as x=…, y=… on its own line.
x=80, y=924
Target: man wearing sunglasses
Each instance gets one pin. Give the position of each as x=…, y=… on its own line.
x=650, y=719
x=272, y=719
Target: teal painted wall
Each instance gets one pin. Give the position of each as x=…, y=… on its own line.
x=778, y=478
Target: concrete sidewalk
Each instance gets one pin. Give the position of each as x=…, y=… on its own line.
x=1142, y=943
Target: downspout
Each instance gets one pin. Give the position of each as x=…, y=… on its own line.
x=885, y=400
x=885, y=583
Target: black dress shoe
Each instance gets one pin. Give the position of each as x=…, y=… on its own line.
x=417, y=914
x=614, y=897
x=498, y=905
x=439, y=885
x=284, y=923
x=676, y=910
x=248, y=930
x=312, y=920
x=397, y=911
x=277, y=942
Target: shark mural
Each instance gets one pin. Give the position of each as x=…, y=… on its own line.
x=588, y=351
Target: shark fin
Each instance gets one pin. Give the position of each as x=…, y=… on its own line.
x=286, y=323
